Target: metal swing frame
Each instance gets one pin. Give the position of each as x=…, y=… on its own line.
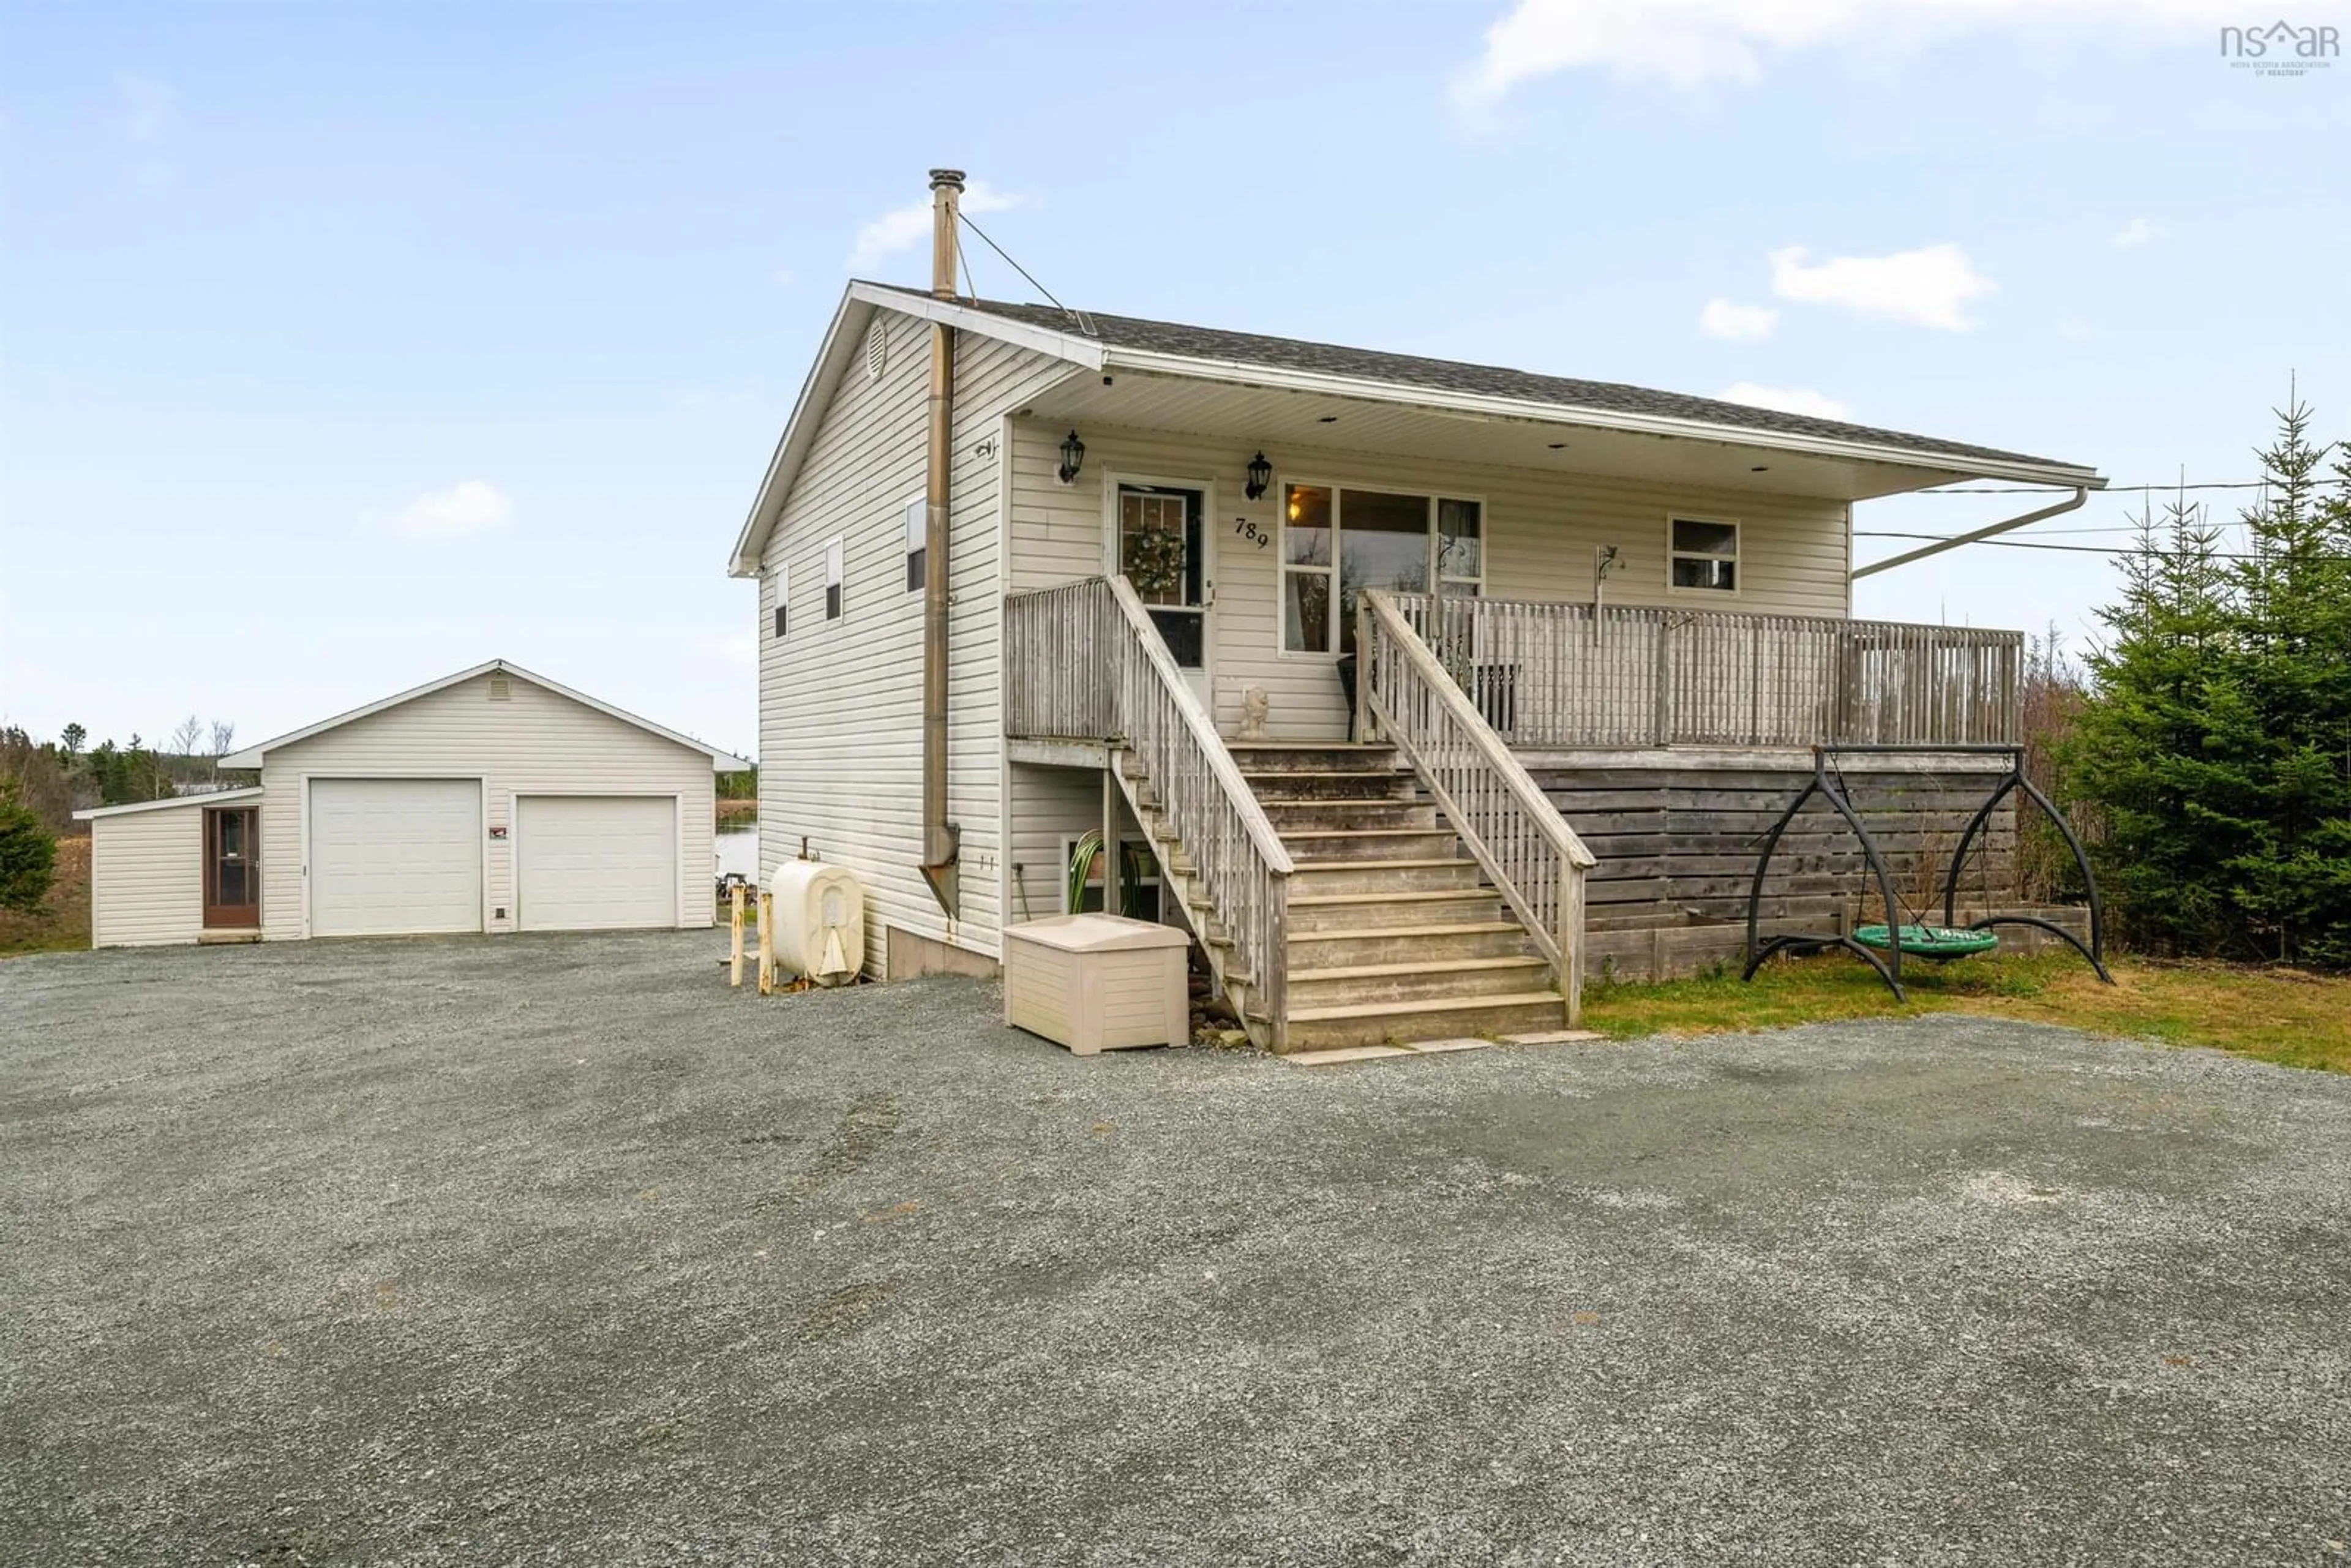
x=1889, y=966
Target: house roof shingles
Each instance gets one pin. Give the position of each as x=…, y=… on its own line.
x=1566, y=393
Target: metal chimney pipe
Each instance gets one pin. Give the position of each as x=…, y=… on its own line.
x=941, y=839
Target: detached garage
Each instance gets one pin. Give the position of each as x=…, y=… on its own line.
x=493, y=801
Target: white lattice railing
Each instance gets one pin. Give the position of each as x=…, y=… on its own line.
x=1528, y=850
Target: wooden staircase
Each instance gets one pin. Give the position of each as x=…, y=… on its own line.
x=1333, y=906
x=1394, y=934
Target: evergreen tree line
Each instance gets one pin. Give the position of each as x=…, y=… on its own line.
x=2209, y=756
x=44, y=782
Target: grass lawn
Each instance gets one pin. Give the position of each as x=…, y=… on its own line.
x=2285, y=1016
x=62, y=922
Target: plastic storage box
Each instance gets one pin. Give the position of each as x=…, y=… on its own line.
x=1096, y=982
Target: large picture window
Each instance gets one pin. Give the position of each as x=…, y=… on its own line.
x=1338, y=540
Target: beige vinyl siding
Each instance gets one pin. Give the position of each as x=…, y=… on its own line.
x=1049, y=806
x=1541, y=531
x=536, y=742
x=840, y=701
x=147, y=877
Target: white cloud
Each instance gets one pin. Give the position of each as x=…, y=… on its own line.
x=911, y=224
x=2136, y=232
x=469, y=508
x=1689, y=42
x=1927, y=288
x=1722, y=319
x=1787, y=400
x=783, y=277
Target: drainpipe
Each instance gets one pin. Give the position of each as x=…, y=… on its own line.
x=941, y=838
x=2081, y=494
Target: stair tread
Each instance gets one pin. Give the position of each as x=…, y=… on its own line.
x=1382, y=933
x=1366, y=833
x=1422, y=967
x=1382, y=865
x=1416, y=895
x=1424, y=1005
x=1248, y=772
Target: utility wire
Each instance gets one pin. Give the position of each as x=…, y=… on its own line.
x=2111, y=489
x=1024, y=272
x=2105, y=550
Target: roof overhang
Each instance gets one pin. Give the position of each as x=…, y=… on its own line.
x=1957, y=463
x=253, y=756
x=1265, y=404
x=839, y=350
x=207, y=798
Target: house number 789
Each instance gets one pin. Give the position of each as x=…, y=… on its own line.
x=1251, y=532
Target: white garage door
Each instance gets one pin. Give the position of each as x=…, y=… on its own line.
x=395, y=856
x=596, y=863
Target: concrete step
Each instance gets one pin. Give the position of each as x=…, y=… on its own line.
x=1291, y=757
x=1312, y=915
x=1405, y=944
x=1349, y=815
x=1417, y=980
x=1353, y=846
x=1436, y=1017
x=1270, y=785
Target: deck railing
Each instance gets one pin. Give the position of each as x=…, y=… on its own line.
x=1546, y=675
x=1084, y=663
x=1528, y=852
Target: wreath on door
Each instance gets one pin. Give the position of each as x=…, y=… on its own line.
x=1154, y=564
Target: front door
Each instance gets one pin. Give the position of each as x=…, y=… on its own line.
x=1162, y=548
x=232, y=867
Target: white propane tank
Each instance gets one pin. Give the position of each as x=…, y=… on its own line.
x=820, y=921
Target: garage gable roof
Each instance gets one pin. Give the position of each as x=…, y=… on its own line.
x=251, y=756
x=203, y=798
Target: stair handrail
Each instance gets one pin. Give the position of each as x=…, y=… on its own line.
x=1534, y=858
x=1241, y=864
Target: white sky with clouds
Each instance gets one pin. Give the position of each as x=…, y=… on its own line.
x=344, y=347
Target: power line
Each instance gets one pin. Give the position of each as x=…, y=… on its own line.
x=2098, y=550
x=2115, y=489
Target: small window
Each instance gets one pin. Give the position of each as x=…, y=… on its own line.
x=833, y=566
x=918, y=532
x=783, y=601
x=1705, y=556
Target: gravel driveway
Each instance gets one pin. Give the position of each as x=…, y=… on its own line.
x=553, y=1250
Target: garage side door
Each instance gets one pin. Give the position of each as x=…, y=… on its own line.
x=395, y=856
x=596, y=863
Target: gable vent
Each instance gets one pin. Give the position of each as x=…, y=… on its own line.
x=501, y=688
x=877, y=352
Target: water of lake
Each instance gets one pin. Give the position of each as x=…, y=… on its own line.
x=738, y=851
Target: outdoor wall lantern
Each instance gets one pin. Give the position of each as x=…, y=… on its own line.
x=1261, y=476
x=1073, y=457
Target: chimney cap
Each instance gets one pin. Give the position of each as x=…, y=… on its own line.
x=946, y=177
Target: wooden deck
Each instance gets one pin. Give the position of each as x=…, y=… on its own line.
x=1557, y=676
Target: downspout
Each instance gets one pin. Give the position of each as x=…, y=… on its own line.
x=2081, y=494
x=941, y=838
